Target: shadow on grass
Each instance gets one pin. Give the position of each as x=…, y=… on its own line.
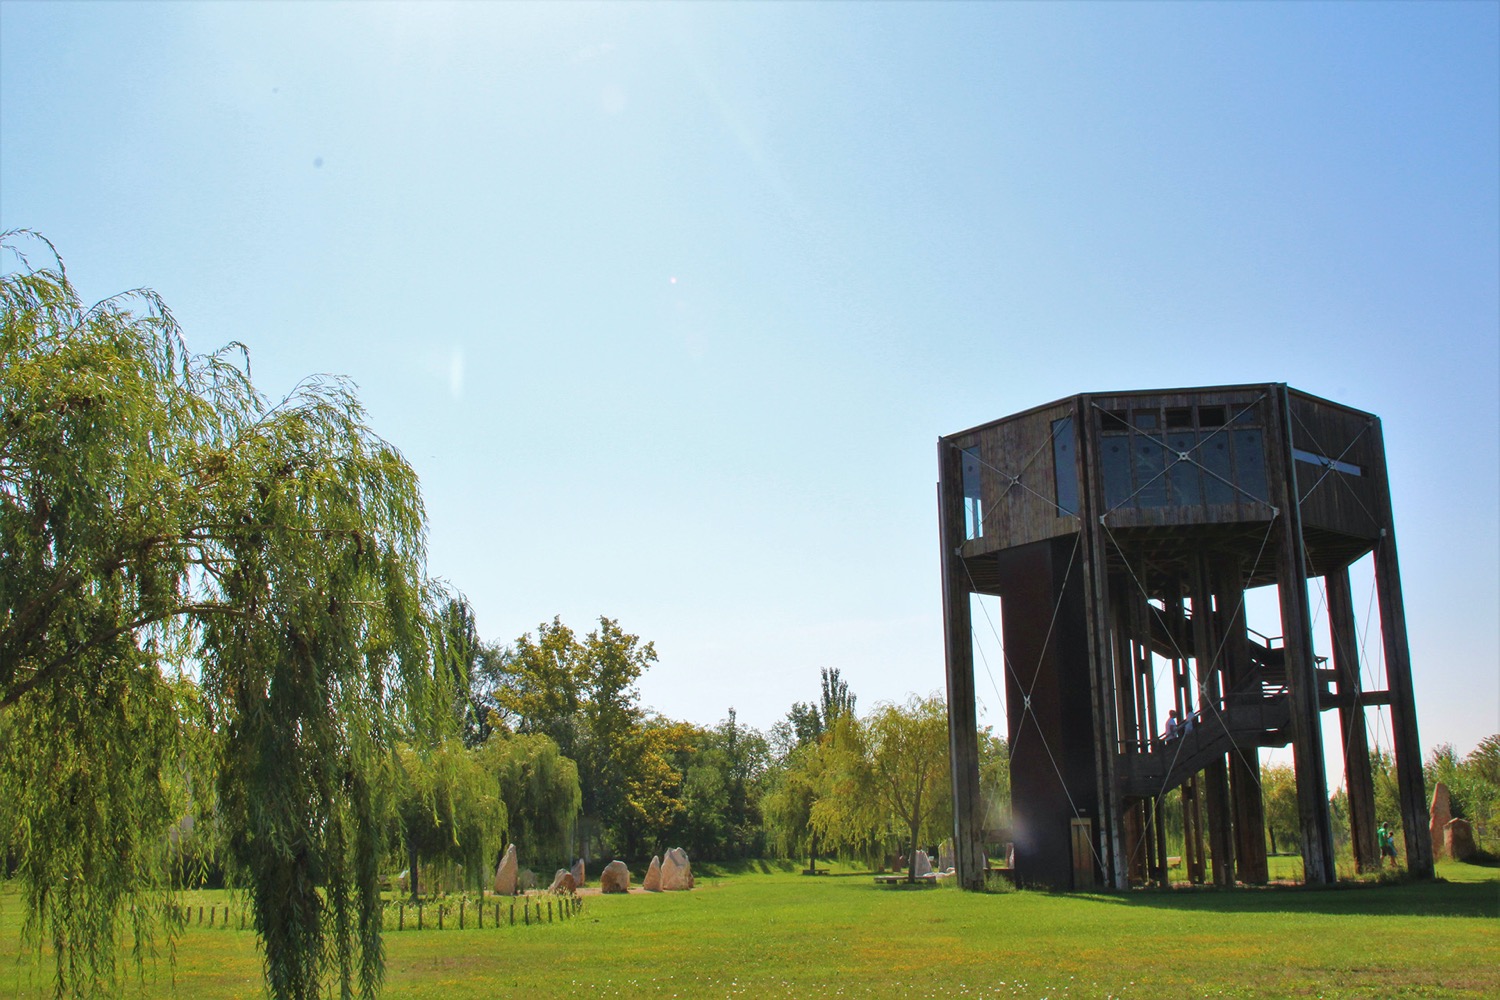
x=1436, y=898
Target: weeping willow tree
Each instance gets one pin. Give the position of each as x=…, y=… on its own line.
x=159, y=520
x=540, y=789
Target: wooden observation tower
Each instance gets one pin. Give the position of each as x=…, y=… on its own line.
x=1121, y=533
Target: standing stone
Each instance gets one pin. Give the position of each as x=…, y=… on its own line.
x=945, y=855
x=923, y=866
x=653, y=876
x=527, y=880
x=562, y=883
x=1441, y=812
x=578, y=873
x=1458, y=840
x=614, y=878
x=505, y=874
x=676, y=872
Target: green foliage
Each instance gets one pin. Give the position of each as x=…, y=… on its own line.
x=908, y=747
x=539, y=787
x=540, y=685
x=652, y=802
x=582, y=695
x=994, y=781
x=721, y=792
x=793, y=787
x=1278, y=789
x=155, y=511
x=450, y=808
x=1473, y=784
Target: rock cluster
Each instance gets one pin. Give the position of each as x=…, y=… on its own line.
x=614, y=878
x=505, y=873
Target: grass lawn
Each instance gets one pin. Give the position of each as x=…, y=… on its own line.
x=767, y=931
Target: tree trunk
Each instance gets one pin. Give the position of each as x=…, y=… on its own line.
x=812, y=852
x=411, y=855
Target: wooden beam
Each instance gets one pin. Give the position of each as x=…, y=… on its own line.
x=1109, y=805
x=963, y=729
x=1301, y=663
x=1356, y=745
x=1408, y=748
x=1209, y=692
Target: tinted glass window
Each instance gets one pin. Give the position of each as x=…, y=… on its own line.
x=973, y=499
x=1150, y=464
x=1213, y=452
x=1250, y=464
x=1064, y=466
x=1186, y=478
x=1115, y=455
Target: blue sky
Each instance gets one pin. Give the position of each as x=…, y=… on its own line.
x=668, y=304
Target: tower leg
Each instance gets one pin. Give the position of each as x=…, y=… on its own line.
x=963, y=735
x=1357, y=777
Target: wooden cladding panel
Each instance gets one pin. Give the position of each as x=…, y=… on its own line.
x=1026, y=511
x=1334, y=499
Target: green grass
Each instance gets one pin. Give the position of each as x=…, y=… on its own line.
x=763, y=930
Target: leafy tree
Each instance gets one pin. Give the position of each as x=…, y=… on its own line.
x=154, y=510
x=612, y=754
x=1387, y=794
x=808, y=722
x=908, y=746
x=849, y=814
x=539, y=787
x=459, y=656
x=541, y=685
x=583, y=695
x=449, y=808
x=794, y=786
x=1278, y=789
x=721, y=794
x=994, y=780
x=652, y=802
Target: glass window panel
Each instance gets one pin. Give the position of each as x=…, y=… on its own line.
x=1250, y=465
x=1180, y=417
x=1146, y=420
x=1186, y=477
x=1150, y=462
x=973, y=495
x=1211, y=416
x=1116, y=455
x=1113, y=421
x=1064, y=466
x=1213, y=452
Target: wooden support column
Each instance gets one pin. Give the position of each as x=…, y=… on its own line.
x=1210, y=694
x=1251, y=864
x=1356, y=743
x=1135, y=841
x=963, y=734
x=1109, y=824
x=1301, y=664
x=1192, y=831
x=1408, y=748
